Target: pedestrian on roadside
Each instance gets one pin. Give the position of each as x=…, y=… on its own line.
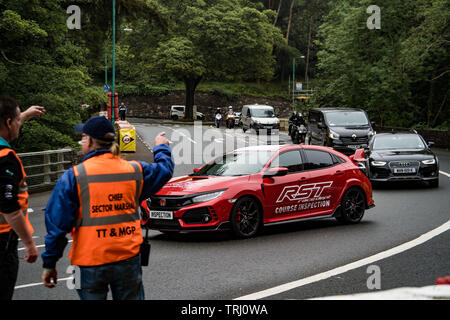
x=14, y=222
x=122, y=111
x=98, y=202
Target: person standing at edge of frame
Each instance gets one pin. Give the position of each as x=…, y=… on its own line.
x=14, y=222
x=98, y=201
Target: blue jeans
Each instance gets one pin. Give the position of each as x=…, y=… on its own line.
x=123, y=277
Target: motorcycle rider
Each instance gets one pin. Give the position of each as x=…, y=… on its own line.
x=230, y=117
x=218, y=116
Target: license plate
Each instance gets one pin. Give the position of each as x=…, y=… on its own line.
x=267, y=127
x=404, y=170
x=355, y=147
x=168, y=215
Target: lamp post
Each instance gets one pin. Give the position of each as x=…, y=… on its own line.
x=113, y=96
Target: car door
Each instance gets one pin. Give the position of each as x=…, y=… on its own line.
x=326, y=180
x=280, y=192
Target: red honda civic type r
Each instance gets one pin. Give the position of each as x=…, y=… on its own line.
x=257, y=186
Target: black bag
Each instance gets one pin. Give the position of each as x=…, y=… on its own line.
x=145, y=250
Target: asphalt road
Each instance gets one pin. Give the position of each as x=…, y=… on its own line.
x=215, y=266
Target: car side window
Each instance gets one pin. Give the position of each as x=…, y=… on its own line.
x=318, y=159
x=290, y=160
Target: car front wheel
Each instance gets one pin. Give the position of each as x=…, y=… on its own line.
x=246, y=217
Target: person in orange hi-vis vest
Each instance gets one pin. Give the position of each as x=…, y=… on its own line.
x=14, y=222
x=98, y=202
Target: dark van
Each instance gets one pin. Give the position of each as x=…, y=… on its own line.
x=345, y=130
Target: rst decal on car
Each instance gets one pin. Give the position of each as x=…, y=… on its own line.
x=310, y=196
x=305, y=191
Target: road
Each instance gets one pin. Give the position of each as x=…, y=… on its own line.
x=215, y=266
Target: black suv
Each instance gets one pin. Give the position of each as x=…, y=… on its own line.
x=345, y=130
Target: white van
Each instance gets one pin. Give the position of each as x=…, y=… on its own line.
x=177, y=112
x=259, y=117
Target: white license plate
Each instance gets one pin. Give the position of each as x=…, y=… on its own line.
x=404, y=170
x=354, y=147
x=168, y=215
x=268, y=127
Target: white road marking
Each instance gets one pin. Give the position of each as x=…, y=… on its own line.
x=354, y=265
x=445, y=173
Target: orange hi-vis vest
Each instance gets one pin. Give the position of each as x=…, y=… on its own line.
x=108, y=227
x=22, y=196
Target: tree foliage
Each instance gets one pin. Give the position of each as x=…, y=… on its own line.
x=398, y=72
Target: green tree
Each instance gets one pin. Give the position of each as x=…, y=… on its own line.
x=380, y=69
x=221, y=39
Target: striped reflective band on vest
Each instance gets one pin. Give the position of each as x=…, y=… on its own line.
x=84, y=180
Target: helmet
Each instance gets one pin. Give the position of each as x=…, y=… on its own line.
x=294, y=113
x=230, y=107
x=300, y=114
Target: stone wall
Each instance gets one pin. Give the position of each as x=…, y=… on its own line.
x=207, y=103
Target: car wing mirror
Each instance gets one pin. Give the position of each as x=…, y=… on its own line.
x=275, y=172
x=430, y=144
x=196, y=170
x=320, y=125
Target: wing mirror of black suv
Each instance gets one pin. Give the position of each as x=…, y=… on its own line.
x=430, y=144
x=320, y=125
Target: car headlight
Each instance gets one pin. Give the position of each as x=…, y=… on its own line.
x=257, y=122
x=371, y=133
x=333, y=135
x=207, y=196
x=378, y=163
x=429, y=161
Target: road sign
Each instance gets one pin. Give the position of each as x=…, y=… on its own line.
x=298, y=86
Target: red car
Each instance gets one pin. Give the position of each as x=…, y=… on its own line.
x=252, y=187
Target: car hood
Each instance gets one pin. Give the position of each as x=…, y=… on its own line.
x=349, y=131
x=389, y=155
x=185, y=185
x=266, y=120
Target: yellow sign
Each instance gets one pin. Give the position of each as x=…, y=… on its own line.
x=127, y=136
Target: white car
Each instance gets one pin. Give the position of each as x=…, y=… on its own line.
x=177, y=112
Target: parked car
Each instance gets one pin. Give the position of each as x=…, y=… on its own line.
x=259, y=117
x=257, y=186
x=177, y=112
x=400, y=156
x=345, y=130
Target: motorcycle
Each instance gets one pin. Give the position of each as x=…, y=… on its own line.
x=230, y=121
x=218, y=119
x=298, y=133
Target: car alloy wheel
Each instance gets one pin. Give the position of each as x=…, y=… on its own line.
x=245, y=217
x=352, y=206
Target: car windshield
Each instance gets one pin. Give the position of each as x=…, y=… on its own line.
x=398, y=141
x=263, y=113
x=346, y=119
x=236, y=164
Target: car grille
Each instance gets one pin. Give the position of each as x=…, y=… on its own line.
x=358, y=140
x=164, y=224
x=169, y=203
x=404, y=164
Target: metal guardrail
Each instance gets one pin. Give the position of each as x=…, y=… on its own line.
x=44, y=168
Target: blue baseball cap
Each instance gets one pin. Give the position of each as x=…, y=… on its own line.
x=97, y=127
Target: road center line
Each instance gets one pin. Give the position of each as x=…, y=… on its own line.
x=354, y=265
x=444, y=173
